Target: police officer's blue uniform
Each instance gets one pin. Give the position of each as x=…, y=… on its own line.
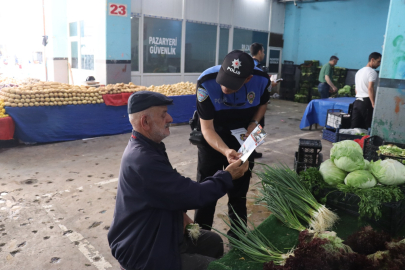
x=228, y=112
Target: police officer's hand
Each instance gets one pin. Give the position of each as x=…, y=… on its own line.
x=250, y=128
x=232, y=156
x=236, y=169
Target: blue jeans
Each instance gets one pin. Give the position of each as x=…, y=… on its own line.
x=323, y=89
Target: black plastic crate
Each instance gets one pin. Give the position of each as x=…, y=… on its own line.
x=302, y=166
x=370, y=148
x=288, y=83
x=287, y=93
x=288, y=69
x=288, y=77
x=308, y=151
x=344, y=137
x=330, y=135
x=336, y=118
x=308, y=78
x=393, y=213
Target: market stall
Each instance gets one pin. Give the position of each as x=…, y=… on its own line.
x=316, y=111
x=301, y=233
x=50, y=112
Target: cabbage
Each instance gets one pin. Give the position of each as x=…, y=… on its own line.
x=388, y=172
x=347, y=156
x=366, y=164
x=360, y=179
x=331, y=174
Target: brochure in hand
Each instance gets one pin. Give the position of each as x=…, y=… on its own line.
x=250, y=143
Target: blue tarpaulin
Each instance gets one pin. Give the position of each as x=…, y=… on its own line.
x=317, y=109
x=74, y=122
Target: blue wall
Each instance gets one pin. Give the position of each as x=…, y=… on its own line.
x=349, y=29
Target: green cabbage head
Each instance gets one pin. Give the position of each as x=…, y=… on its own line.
x=331, y=174
x=388, y=171
x=360, y=179
x=366, y=164
x=347, y=156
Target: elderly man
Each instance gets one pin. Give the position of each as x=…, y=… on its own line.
x=148, y=229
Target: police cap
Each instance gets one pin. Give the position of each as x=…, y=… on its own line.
x=235, y=68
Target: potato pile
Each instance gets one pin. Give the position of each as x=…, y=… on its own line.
x=2, y=110
x=26, y=81
x=178, y=89
x=50, y=94
x=121, y=88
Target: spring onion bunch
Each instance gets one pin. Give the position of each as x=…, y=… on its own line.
x=282, y=208
x=286, y=193
x=253, y=243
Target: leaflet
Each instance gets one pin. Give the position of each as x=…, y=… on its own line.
x=250, y=143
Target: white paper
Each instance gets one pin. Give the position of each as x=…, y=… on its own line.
x=273, y=78
x=239, y=134
x=255, y=139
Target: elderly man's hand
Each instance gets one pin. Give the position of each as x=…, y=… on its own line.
x=186, y=220
x=236, y=169
x=232, y=156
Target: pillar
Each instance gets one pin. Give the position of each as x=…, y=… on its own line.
x=389, y=111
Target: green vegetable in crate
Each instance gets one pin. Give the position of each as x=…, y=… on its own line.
x=360, y=179
x=388, y=172
x=344, y=92
x=391, y=150
x=331, y=174
x=347, y=155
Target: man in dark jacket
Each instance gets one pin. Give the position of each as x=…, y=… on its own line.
x=148, y=229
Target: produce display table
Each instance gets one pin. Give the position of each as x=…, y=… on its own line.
x=284, y=239
x=73, y=122
x=6, y=128
x=317, y=109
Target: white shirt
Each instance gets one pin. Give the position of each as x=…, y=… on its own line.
x=363, y=77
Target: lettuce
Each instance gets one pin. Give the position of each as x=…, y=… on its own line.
x=388, y=172
x=360, y=179
x=347, y=156
x=331, y=174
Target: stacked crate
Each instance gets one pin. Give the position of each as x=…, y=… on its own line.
x=287, y=89
x=308, y=81
x=308, y=155
x=339, y=78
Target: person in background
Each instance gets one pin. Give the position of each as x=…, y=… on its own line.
x=365, y=79
x=230, y=96
x=148, y=229
x=326, y=85
x=257, y=52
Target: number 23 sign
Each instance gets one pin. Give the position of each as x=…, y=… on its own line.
x=117, y=9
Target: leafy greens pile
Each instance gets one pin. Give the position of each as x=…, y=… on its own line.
x=371, y=199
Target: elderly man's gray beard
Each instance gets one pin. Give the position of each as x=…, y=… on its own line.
x=157, y=134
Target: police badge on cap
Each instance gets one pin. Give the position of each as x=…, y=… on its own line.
x=235, y=68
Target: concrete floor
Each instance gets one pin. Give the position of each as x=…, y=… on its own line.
x=57, y=200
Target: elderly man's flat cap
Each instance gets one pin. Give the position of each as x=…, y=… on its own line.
x=142, y=100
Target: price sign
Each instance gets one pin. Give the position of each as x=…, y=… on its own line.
x=117, y=10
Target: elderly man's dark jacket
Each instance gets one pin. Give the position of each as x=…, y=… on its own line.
x=147, y=228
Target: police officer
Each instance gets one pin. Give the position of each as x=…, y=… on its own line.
x=257, y=52
x=229, y=96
